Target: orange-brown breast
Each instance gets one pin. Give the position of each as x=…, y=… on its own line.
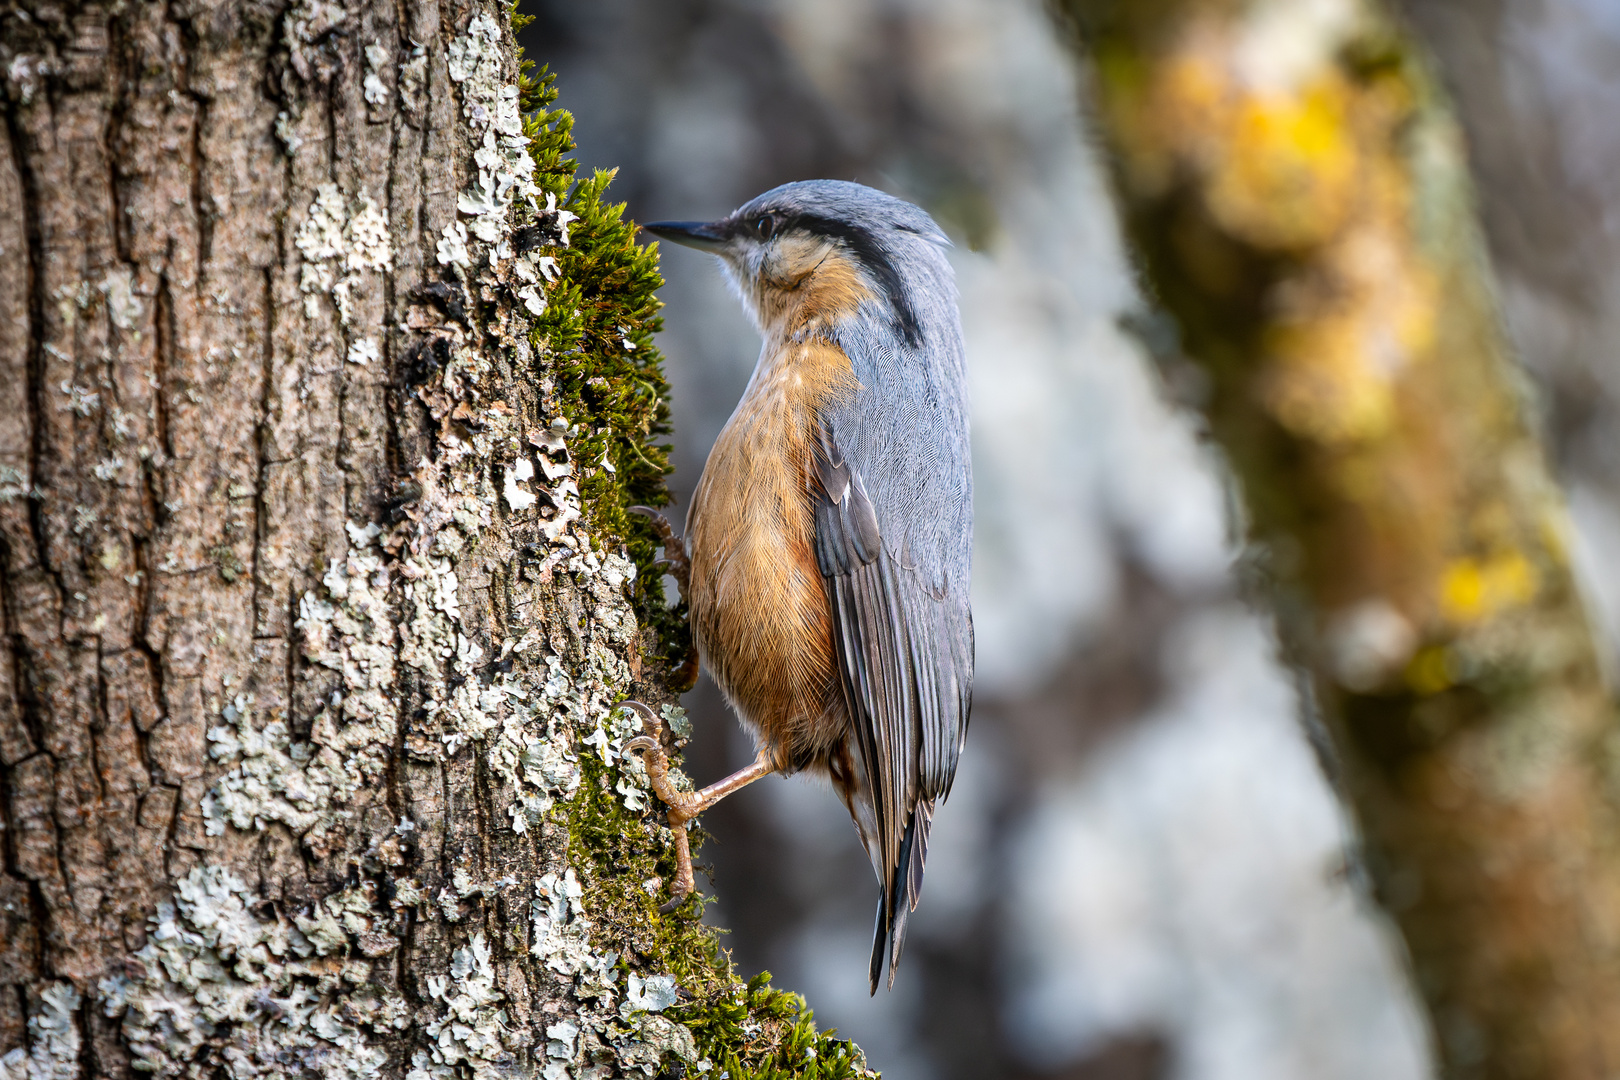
x=759, y=609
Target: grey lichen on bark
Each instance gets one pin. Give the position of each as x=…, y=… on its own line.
x=315, y=589
x=1297, y=195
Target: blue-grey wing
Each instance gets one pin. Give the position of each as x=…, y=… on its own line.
x=893, y=530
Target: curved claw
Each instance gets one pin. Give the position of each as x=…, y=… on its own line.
x=648, y=717
x=675, y=557
x=657, y=766
x=677, y=564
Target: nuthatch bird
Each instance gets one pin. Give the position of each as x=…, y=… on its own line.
x=830, y=536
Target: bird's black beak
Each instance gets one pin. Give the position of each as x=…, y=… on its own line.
x=703, y=235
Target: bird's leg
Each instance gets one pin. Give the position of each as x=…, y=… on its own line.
x=683, y=806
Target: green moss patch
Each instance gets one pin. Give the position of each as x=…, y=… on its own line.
x=595, y=343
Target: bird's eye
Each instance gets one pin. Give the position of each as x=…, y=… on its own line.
x=766, y=226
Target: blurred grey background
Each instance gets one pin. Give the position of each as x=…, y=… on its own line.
x=1141, y=872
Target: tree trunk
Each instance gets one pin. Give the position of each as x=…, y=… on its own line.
x=324, y=391
x=1297, y=195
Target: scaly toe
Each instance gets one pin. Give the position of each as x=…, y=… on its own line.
x=643, y=743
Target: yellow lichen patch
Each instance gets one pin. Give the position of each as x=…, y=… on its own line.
x=1192, y=97
x=1361, y=477
x=1279, y=166
x=1430, y=671
x=1341, y=344
x=1553, y=531
x=1323, y=388
x=1152, y=107
x=1396, y=293
x=1475, y=589
x=1287, y=178
x=1310, y=169
x=1278, y=163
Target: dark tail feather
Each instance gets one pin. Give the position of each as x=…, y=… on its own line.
x=900, y=895
x=922, y=820
x=880, y=941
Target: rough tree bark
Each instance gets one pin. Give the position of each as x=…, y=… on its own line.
x=1297, y=196
x=322, y=391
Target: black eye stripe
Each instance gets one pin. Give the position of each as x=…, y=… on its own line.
x=864, y=245
x=859, y=242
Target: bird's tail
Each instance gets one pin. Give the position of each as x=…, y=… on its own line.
x=899, y=894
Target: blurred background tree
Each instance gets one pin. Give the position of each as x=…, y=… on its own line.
x=1297, y=192
x=1142, y=871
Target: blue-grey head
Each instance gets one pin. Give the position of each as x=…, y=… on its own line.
x=816, y=251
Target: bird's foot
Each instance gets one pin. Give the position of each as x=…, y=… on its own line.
x=682, y=806
x=677, y=565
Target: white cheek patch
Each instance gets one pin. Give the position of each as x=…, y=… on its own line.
x=742, y=275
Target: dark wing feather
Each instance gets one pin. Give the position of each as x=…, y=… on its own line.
x=905, y=664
